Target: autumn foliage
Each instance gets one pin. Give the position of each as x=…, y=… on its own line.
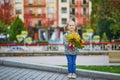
x=6, y=11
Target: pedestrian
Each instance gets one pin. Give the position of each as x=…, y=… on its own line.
x=70, y=50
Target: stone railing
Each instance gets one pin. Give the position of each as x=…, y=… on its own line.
x=101, y=46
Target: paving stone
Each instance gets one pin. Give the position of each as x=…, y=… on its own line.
x=16, y=73
x=20, y=75
x=9, y=73
x=34, y=75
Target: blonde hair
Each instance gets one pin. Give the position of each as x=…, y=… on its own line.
x=65, y=28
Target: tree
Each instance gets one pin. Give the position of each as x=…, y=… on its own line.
x=105, y=17
x=3, y=28
x=6, y=11
x=4, y=31
x=16, y=28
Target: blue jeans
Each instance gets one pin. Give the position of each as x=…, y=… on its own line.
x=71, y=59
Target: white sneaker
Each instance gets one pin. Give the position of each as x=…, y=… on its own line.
x=73, y=76
x=69, y=75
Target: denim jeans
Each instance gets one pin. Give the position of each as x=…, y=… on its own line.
x=71, y=59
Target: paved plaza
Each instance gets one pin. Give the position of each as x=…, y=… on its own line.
x=49, y=68
x=13, y=73
x=61, y=60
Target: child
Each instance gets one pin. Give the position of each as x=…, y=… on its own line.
x=71, y=54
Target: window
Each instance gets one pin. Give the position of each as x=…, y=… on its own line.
x=63, y=0
x=73, y=19
x=18, y=10
x=31, y=11
x=73, y=1
x=84, y=2
x=18, y=1
x=39, y=11
x=64, y=20
x=64, y=10
x=39, y=23
x=30, y=1
x=39, y=1
x=84, y=11
x=73, y=10
x=50, y=1
x=50, y=10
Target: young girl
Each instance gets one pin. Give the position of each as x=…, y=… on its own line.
x=71, y=54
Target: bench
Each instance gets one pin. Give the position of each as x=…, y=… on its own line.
x=114, y=56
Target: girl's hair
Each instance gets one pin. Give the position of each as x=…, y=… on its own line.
x=65, y=28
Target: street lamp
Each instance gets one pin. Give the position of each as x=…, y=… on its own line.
x=28, y=40
x=24, y=35
x=90, y=32
x=86, y=36
x=96, y=38
x=19, y=38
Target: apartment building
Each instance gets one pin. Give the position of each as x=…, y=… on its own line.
x=63, y=12
x=76, y=10
x=18, y=8
x=36, y=9
x=52, y=13
x=79, y=11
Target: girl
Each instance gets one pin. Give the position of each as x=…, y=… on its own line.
x=71, y=54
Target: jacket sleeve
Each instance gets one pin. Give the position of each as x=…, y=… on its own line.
x=65, y=43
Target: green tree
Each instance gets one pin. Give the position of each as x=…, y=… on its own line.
x=3, y=28
x=105, y=17
x=16, y=28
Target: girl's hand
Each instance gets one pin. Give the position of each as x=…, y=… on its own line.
x=71, y=45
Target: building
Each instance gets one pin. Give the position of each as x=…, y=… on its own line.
x=52, y=13
x=34, y=13
x=79, y=11
x=39, y=15
x=36, y=9
x=18, y=8
x=76, y=10
x=64, y=12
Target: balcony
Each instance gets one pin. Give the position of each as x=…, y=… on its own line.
x=38, y=15
x=72, y=15
x=35, y=5
x=85, y=5
x=72, y=4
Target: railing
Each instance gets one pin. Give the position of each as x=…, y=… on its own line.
x=101, y=46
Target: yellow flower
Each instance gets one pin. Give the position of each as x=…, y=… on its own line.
x=73, y=36
x=82, y=41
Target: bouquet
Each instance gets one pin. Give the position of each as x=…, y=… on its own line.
x=75, y=41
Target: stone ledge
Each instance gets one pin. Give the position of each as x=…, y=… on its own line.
x=50, y=53
x=45, y=67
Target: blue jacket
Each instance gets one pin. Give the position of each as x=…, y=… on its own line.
x=65, y=43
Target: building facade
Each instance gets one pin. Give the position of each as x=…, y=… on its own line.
x=46, y=14
x=36, y=10
x=79, y=11
x=64, y=12
x=18, y=8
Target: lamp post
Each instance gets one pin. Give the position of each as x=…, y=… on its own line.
x=19, y=38
x=90, y=32
x=86, y=36
x=28, y=40
x=24, y=35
